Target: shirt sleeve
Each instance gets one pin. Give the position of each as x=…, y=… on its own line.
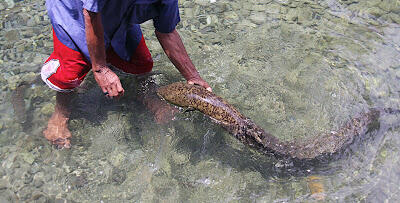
x=168, y=16
x=93, y=5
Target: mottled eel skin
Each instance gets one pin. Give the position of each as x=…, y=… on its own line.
x=193, y=96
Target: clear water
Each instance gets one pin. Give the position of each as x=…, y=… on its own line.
x=297, y=68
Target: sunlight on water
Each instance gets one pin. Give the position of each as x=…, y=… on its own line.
x=296, y=68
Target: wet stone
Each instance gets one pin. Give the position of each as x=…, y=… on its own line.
x=39, y=177
x=395, y=18
x=61, y=200
x=2, y=172
x=292, y=15
x=9, y=161
x=258, y=17
x=389, y=5
x=27, y=157
x=34, y=169
x=12, y=35
x=375, y=11
x=273, y=9
x=38, y=183
x=202, y=2
x=25, y=193
x=47, y=109
x=4, y=184
x=38, y=196
x=78, y=181
x=10, y=3
x=118, y=176
x=7, y=196
x=283, y=2
x=305, y=16
x=117, y=158
x=30, y=22
x=27, y=178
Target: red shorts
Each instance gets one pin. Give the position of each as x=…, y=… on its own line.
x=66, y=68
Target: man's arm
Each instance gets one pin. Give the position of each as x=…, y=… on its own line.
x=106, y=78
x=176, y=52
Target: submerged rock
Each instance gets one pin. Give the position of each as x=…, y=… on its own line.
x=10, y=3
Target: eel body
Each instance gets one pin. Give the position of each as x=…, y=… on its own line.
x=193, y=96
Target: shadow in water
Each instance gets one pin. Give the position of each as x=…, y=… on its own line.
x=243, y=158
x=93, y=106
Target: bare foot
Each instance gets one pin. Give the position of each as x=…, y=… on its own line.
x=164, y=114
x=57, y=131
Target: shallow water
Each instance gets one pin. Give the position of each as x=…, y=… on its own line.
x=297, y=68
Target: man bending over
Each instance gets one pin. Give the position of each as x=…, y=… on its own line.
x=88, y=34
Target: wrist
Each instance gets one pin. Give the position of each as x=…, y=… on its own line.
x=99, y=68
x=189, y=72
x=193, y=76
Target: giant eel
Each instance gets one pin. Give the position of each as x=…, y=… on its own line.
x=241, y=127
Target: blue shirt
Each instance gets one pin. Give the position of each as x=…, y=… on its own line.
x=121, y=19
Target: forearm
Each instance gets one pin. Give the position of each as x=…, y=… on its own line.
x=95, y=39
x=176, y=52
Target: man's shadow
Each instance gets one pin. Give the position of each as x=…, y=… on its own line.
x=91, y=104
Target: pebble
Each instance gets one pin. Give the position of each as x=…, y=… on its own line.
x=61, y=200
x=10, y=3
x=4, y=184
x=8, y=162
x=117, y=158
x=395, y=18
x=39, y=197
x=47, y=109
x=31, y=22
x=27, y=178
x=118, y=176
x=258, y=17
x=78, y=181
x=202, y=2
x=389, y=5
x=38, y=183
x=2, y=172
x=12, y=35
x=8, y=196
x=25, y=193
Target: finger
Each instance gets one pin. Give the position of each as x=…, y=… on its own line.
x=201, y=83
x=205, y=85
x=114, y=91
x=120, y=90
x=104, y=90
x=113, y=86
x=109, y=95
x=118, y=93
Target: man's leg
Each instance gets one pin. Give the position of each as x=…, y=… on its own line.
x=63, y=71
x=57, y=128
x=162, y=111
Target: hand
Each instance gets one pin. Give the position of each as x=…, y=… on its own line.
x=108, y=82
x=201, y=82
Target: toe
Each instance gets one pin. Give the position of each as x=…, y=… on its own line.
x=61, y=143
